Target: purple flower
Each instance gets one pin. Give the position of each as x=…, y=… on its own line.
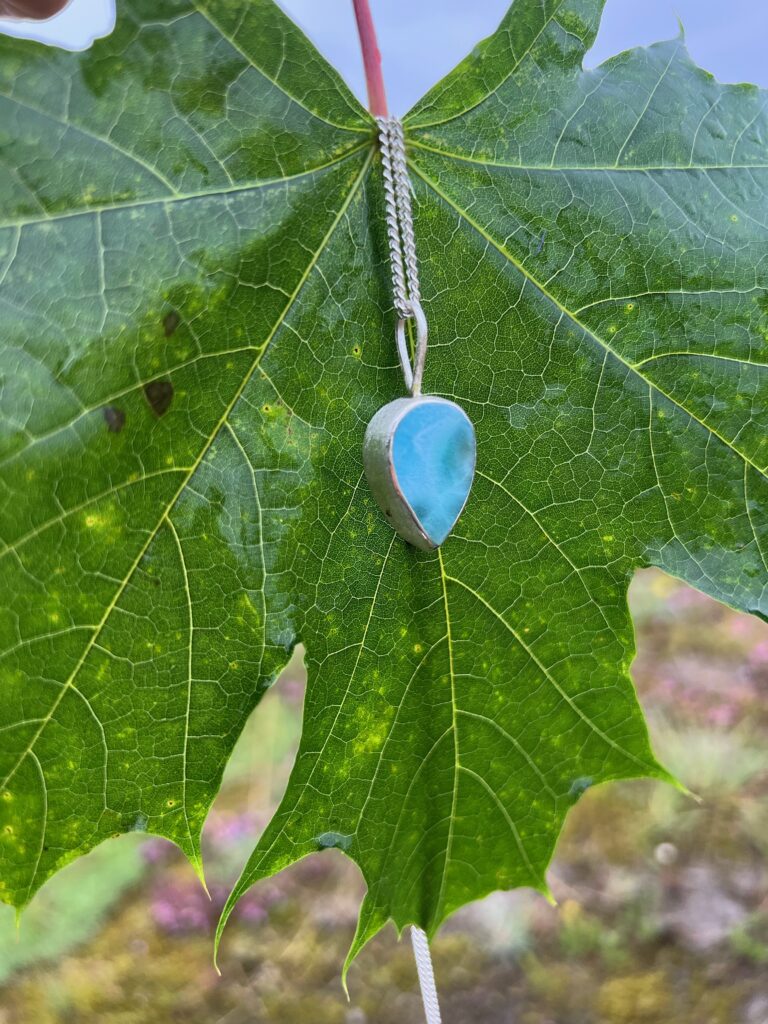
x=225, y=830
x=155, y=851
x=178, y=909
x=250, y=910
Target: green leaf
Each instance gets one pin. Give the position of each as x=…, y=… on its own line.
x=197, y=328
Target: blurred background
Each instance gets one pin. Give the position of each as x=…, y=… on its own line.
x=663, y=901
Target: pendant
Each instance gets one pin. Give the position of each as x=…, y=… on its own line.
x=419, y=458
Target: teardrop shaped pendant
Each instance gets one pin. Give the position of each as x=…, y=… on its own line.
x=419, y=458
x=418, y=452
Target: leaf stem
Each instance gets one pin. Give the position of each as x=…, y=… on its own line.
x=374, y=79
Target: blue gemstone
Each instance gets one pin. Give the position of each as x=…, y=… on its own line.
x=433, y=454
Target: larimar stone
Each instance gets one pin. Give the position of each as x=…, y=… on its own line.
x=433, y=455
x=419, y=457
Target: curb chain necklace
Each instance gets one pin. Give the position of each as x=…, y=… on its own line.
x=419, y=451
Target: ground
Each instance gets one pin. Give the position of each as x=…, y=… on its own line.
x=663, y=899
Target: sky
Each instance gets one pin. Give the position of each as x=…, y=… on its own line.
x=421, y=40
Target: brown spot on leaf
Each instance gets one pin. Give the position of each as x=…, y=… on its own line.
x=115, y=418
x=159, y=394
x=170, y=322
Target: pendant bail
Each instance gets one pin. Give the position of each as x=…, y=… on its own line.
x=413, y=372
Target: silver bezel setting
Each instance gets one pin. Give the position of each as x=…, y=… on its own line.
x=380, y=470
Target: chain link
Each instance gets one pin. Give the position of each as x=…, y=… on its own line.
x=397, y=265
x=397, y=194
x=402, y=248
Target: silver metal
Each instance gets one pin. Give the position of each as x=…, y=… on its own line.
x=402, y=248
x=413, y=374
x=403, y=190
x=397, y=265
x=379, y=437
x=380, y=469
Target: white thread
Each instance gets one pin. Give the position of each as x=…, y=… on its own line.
x=426, y=975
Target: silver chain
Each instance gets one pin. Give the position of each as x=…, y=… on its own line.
x=407, y=294
x=402, y=248
x=397, y=194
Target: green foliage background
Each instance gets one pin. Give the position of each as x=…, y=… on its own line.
x=197, y=327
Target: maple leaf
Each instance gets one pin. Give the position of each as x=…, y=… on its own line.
x=197, y=329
